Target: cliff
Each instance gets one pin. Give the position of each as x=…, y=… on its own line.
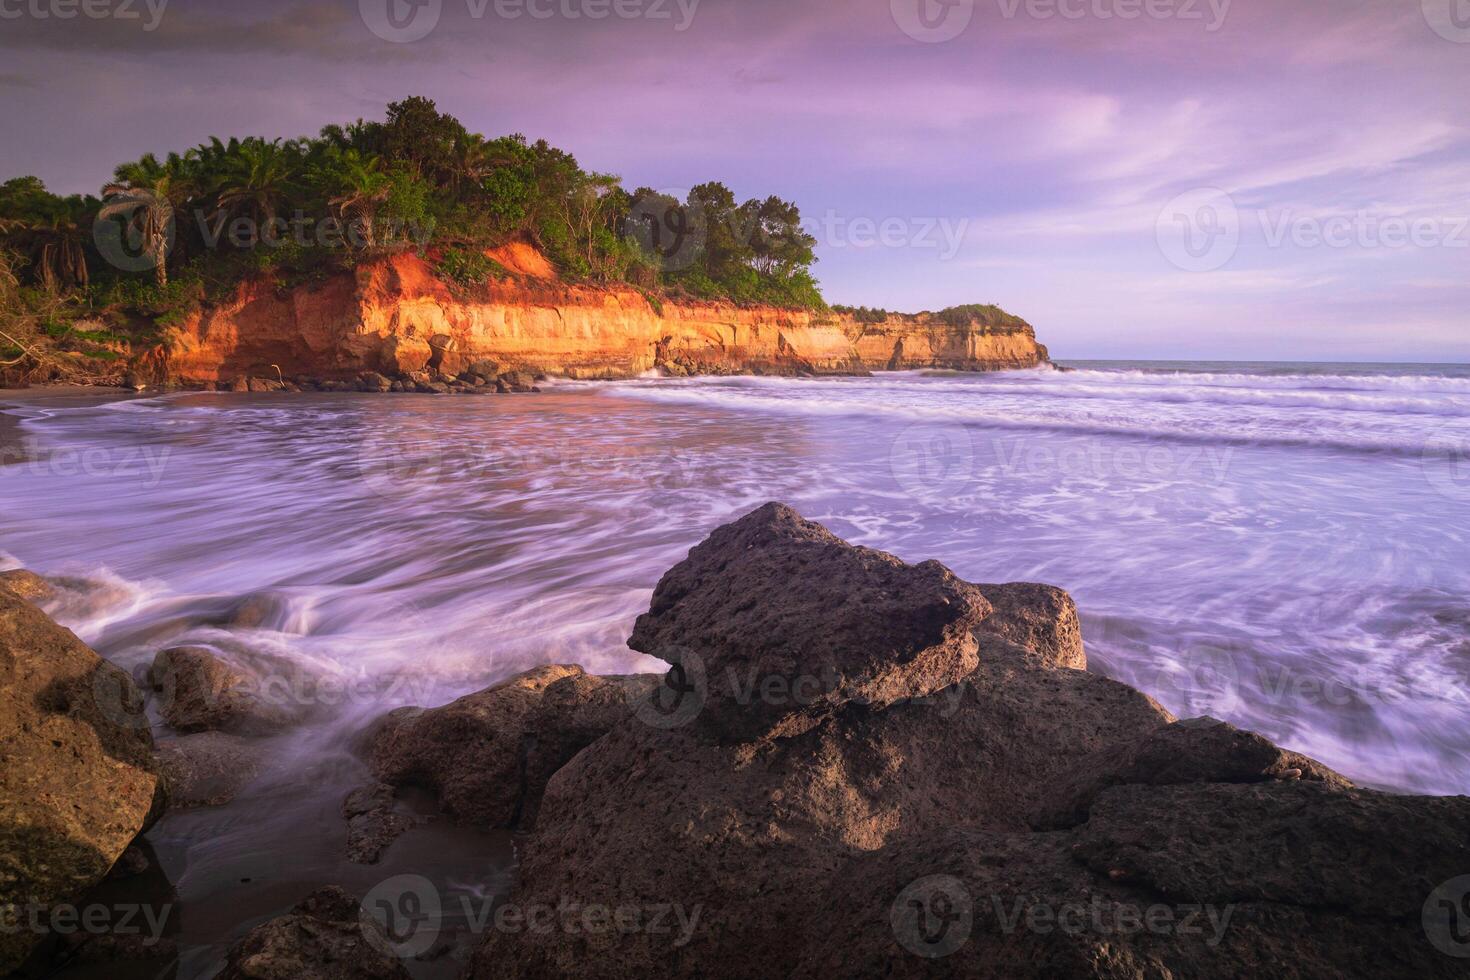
x=394, y=315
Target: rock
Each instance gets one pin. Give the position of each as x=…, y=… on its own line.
x=484, y=370
x=1183, y=849
x=970, y=903
x=26, y=585
x=786, y=623
x=373, y=381
x=207, y=769
x=257, y=611
x=373, y=822
x=751, y=833
x=1365, y=854
x=265, y=385
x=1194, y=751
x=404, y=355
x=201, y=692
x=1041, y=618
x=240, y=384
x=520, y=382
x=488, y=755
x=326, y=937
x=78, y=781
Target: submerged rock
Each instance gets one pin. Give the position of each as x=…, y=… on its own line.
x=326, y=937
x=78, y=782
x=488, y=755
x=373, y=822
x=202, y=692
x=207, y=769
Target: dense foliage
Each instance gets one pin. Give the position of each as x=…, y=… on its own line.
x=417, y=179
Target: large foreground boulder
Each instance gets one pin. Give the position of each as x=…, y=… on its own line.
x=950, y=831
x=784, y=623
x=78, y=781
x=488, y=755
x=1280, y=878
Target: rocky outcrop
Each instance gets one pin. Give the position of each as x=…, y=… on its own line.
x=933, y=834
x=395, y=317
x=327, y=937
x=488, y=755
x=78, y=781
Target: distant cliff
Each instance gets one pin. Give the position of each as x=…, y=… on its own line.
x=396, y=316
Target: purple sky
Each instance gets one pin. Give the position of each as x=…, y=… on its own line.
x=1036, y=158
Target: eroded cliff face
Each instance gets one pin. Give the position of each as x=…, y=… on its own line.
x=395, y=316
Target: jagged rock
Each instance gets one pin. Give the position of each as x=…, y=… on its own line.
x=751, y=833
x=488, y=755
x=326, y=937
x=1041, y=618
x=373, y=822
x=207, y=769
x=78, y=781
x=1363, y=853
x=1200, y=750
x=805, y=852
x=786, y=623
x=255, y=611
x=201, y=692
x=26, y=585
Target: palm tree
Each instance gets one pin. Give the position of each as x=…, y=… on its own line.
x=55, y=242
x=258, y=177
x=146, y=195
x=356, y=187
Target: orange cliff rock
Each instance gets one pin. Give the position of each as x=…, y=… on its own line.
x=395, y=316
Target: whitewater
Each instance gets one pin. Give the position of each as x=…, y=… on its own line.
x=1281, y=546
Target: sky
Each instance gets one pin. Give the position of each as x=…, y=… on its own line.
x=1174, y=179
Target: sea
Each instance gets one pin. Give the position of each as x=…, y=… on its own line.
x=1285, y=546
